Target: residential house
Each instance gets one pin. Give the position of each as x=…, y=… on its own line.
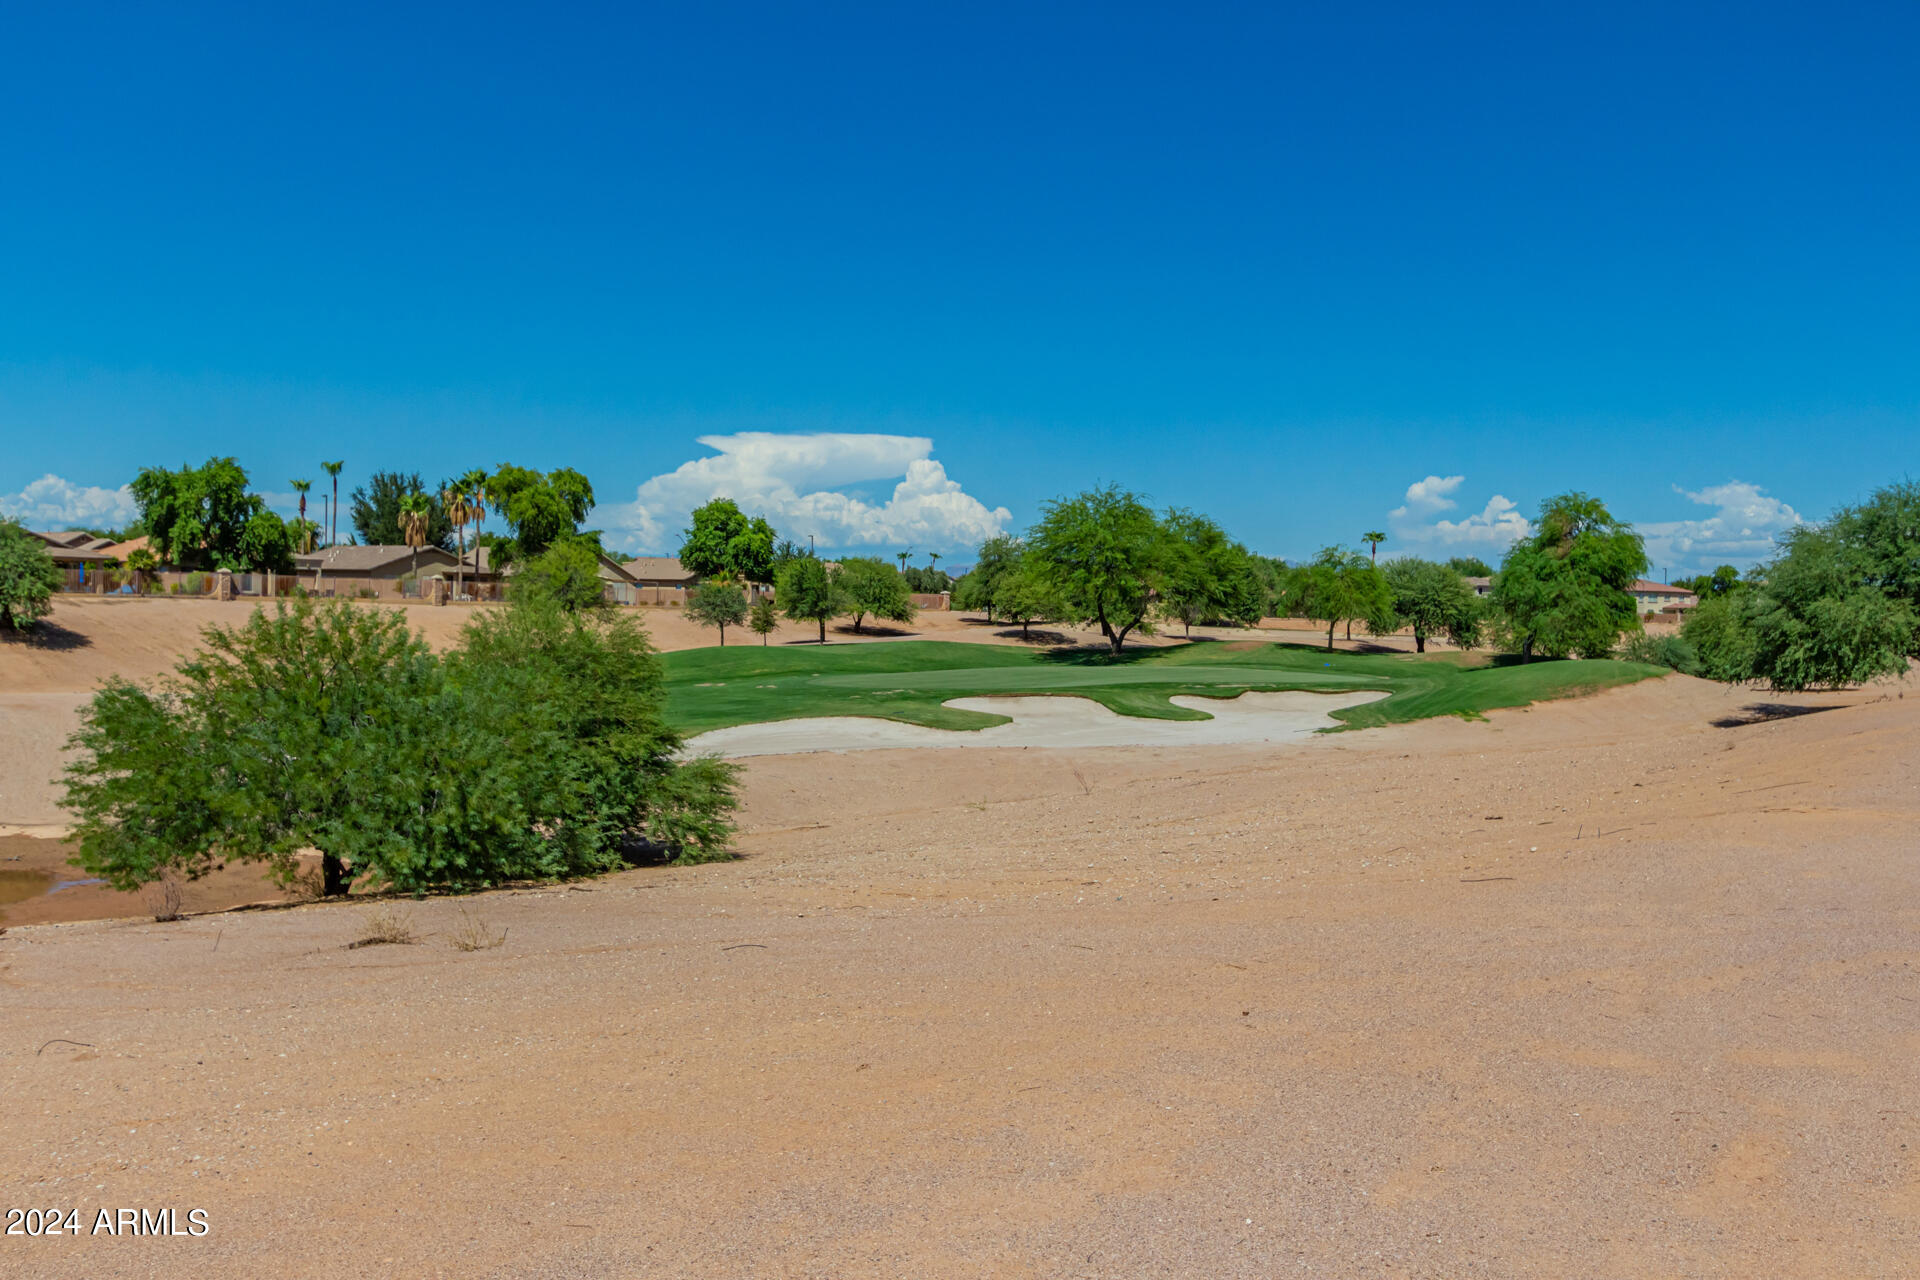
x=354, y=571
x=1656, y=597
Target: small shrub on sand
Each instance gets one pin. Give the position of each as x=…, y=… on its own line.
x=384, y=925
x=471, y=932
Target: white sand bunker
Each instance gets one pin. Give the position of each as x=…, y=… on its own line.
x=1050, y=721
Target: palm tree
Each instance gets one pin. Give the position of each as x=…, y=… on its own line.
x=306, y=538
x=933, y=561
x=903, y=557
x=1373, y=540
x=473, y=488
x=333, y=512
x=459, y=510
x=414, y=511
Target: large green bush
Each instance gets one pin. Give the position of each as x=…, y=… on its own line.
x=535, y=749
x=28, y=578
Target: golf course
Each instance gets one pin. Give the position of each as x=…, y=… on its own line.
x=911, y=681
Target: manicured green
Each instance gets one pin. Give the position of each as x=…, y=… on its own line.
x=909, y=680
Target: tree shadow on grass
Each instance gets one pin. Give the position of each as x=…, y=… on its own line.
x=1766, y=712
x=1035, y=637
x=870, y=629
x=46, y=635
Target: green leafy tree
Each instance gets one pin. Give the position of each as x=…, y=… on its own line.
x=566, y=574
x=1027, y=596
x=869, y=585
x=203, y=518
x=1878, y=542
x=784, y=554
x=1338, y=586
x=1104, y=554
x=1564, y=590
x=540, y=509
x=807, y=592
x=538, y=748
x=998, y=556
x=718, y=602
x=926, y=578
x=763, y=619
x=1723, y=581
x=1720, y=638
x=1433, y=600
x=28, y=577
x=1820, y=616
x=378, y=505
x=1207, y=576
x=1470, y=567
x=724, y=543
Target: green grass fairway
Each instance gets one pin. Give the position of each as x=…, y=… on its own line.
x=908, y=681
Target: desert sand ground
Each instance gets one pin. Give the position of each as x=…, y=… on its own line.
x=1623, y=985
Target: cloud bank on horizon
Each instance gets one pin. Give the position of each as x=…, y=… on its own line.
x=53, y=503
x=1744, y=528
x=809, y=484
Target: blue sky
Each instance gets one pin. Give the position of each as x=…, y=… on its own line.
x=1301, y=268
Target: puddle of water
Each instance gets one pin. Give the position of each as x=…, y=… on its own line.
x=74, y=884
x=18, y=886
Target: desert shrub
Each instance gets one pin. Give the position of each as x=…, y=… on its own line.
x=537, y=749
x=471, y=932
x=1662, y=651
x=385, y=925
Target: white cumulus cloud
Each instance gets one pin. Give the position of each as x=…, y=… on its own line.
x=1743, y=529
x=51, y=503
x=810, y=484
x=1495, y=527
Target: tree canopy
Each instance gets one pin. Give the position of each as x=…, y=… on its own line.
x=997, y=557
x=1433, y=600
x=378, y=505
x=723, y=542
x=1341, y=585
x=203, y=518
x=540, y=509
x=28, y=577
x=1564, y=590
x=1103, y=554
x=1828, y=613
x=1470, y=567
x=718, y=602
x=1208, y=577
x=566, y=574
x=807, y=593
x=868, y=585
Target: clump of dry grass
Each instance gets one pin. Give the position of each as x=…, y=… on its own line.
x=385, y=925
x=471, y=932
x=166, y=898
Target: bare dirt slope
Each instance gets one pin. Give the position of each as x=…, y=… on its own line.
x=1598, y=988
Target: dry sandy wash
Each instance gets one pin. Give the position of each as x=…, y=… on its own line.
x=1617, y=986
